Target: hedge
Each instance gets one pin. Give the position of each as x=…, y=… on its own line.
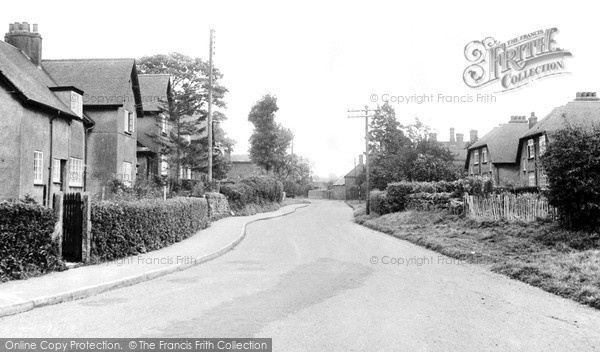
x=121, y=229
x=260, y=190
x=217, y=205
x=26, y=244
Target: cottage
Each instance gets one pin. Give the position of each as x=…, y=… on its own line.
x=242, y=166
x=494, y=155
x=583, y=111
x=42, y=123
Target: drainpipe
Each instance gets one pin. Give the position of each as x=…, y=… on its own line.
x=85, y=156
x=49, y=188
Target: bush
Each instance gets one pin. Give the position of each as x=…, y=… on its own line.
x=475, y=186
x=121, y=229
x=379, y=203
x=218, y=207
x=26, y=244
x=260, y=190
x=397, y=195
x=572, y=164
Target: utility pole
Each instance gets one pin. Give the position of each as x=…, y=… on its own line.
x=209, y=119
x=365, y=114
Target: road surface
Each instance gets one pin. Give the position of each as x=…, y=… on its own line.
x=315, y=281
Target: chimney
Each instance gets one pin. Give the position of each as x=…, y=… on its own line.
x=433, y=137
x=460, y=137
x=452, y=140
x=360, y=159
x=586, y=96
x=517, y=119
x=474, y=137
x=532, y=120
x=29, y=42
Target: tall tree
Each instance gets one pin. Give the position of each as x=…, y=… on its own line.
x=189, y=112
x=269, y=141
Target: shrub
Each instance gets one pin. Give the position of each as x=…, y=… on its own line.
x=259, y=190
x=572, y=164
x=397, y=195
x=26, y=244
x=379, y=202
x=475, y=186
x=218, y=207
x=121, y=229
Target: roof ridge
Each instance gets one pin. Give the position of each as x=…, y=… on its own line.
x=94, y=59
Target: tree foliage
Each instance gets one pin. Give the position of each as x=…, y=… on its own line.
x=572, y=165
x=404, y=153
x=189, y=112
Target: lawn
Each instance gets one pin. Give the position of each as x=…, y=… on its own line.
x=541, y=254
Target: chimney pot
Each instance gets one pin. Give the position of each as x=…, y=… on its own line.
x=35, y=27
x=452, y=139
x=360, y=159
x=532, y=120
x=460, y=137
x=30, y=43
x=473, y=135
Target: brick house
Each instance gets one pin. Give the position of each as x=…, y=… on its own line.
x=112, y=99
x=153, y=126
x=495, y=154
x=242, y=166
x=351, y=180
x=42, y=123
x=583, y=111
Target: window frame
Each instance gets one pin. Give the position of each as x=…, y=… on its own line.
x=56, y=171
x=484, y=156
x=542, y=144
x=476, y=157
x=38, y=167
x=127, y=176
x=128, y=122
x=76, y=172
x=529, y=178
x=530, y=149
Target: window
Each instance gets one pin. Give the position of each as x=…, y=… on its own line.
x=185, y=173
x=127, y=175
x=77, y=104
x=531, y=178
x=128, y=122
x=542, y=144
x=56, y=171
x=76, y=169
x=476, y=157
x=38, y=167
x=484, y=155
x=164, y=166
x=530, y=149
x=163, y=124
x=543, y=178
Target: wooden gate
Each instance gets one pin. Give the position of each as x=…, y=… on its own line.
x=72, y=227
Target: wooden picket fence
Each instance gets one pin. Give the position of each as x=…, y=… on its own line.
x=509, y=207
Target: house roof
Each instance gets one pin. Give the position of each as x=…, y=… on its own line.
x=355, y=172
x=155, y=91
x=29, y=81
x=105, y=82
x=340, y=182
x=576, y=113
x=502, y=142
x=240, y=158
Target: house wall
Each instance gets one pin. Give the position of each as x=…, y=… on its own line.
x=506, y=174
x=527, y=164
x=24, y=130
x=338, y=192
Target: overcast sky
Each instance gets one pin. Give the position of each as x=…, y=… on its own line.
x=321, y=59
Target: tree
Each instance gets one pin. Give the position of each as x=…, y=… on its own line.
x=269, y=141
x=572, y=165
x=189, y=112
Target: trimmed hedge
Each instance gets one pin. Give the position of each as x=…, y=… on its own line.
x=121, y=229
x=217, y=205
x=26, y=244
x=259, y=190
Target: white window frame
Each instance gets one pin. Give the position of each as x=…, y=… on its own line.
x=76, y=169
x=476, y=157
x=38, y=167
x=164, y=166
x=529, y=179
x=530, y=149
x=127, y=176
x=56, y=171
x=163, y=124
x=128, y=121
x=484, y=156
x=542, y=144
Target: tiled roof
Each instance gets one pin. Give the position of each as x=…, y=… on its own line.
x=30, y=81
x=355, y=172
x=154, y=89
x=502, y=142
x=576, y=113
x=103, y=81
x=340, y=182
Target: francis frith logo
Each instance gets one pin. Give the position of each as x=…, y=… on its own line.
x=516, y=62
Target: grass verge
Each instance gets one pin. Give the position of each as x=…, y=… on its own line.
x=541, y=254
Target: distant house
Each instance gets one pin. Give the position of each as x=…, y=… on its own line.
x=242, y=166
x=583, y=111
x=338, y=189
x=153, y=126
x=42, y=123
x=317, y=185
x=352, y=182
x=457, y=145
x=112, y=100
x=494, y=155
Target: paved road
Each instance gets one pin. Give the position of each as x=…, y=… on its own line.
x=308, y=281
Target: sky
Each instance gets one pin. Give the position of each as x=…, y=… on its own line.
x=322, y=58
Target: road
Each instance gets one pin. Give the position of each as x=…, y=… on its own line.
x=309, y=281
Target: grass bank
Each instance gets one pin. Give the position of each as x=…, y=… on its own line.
x=541, y=254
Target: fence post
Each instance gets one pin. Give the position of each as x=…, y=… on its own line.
x=86, y=229
x=57, y=235
x=164, y=192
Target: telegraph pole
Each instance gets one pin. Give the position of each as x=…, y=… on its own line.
x=365, y=114
x=209, y=119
